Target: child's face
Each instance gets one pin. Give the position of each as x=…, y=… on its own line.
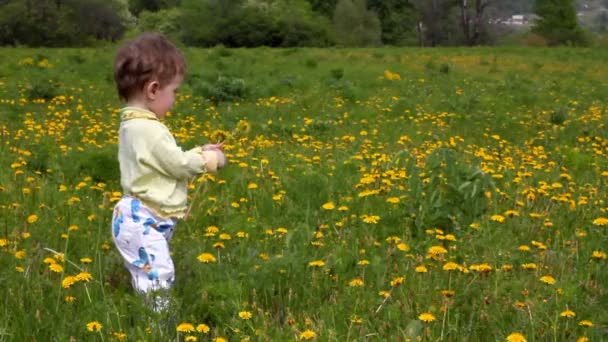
x=164, y=97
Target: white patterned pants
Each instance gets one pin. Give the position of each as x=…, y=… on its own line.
x=142, y=238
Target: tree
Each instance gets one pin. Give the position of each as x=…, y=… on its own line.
x=558, y=23
x=397, y=20
x=437, y=22
x=355, y=25
x=472, y=18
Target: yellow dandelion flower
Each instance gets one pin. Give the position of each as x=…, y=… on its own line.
x=426, y=317
x=225, y=236
x=516, y=337
x=307, y=334
x=32, y=218
x=529, y=266
x=94, y=326
x=582, y=339
x=384, y=293
x=600, y=221
x=204, y=328
x=451, y=266
x=68, y=281
x=245, y=315
x=56, y=268
x=397, y=281
x=206, y=258
x=220, y=339
x=252, y=186
x=191, y=338
x=19, y=269
x=328, y=206
x=403, y=247
x=316, y=263
x=437, y=250
x=356, y=282
x=585, y=323
x=20, y=254
x=219, y=245
x=86, y=260
x=567, y=313
x=497, y=218
x=185, y=327
x=363, y=262
x=598, y=255
x=84, y=276
x=3, y=242
x=49, y=260
x=69, y=299
x=421, y=269
x=448, y=293
x=547, y=279
x=372, y=219
x=393, y=200
x=523, y=248
x=482, y=268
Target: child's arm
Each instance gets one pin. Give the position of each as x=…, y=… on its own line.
x=171, y=160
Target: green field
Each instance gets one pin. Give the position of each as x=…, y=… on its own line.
x=372, y=195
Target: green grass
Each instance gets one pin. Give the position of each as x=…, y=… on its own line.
x=496, y=155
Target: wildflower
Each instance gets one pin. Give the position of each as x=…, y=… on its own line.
x=529, y=266
x=450, y=266
x=426, y=317
x=421, y=269
x=245, y=315
x=598, y=255
x=363, y=262
x=403, y=247
x=393, y=200
x=19, y=269
x=307, y=334
x=582, y=339
x=20, y=254
x=397, y=281
x=600, y=221
x=523, y=248
x=219, y=245
x=252, y=186
x=68, y=281
x=206, y=258
x=328, y=206
x=94, y=326
x=373, y=219
x=585, y=323
x=384, y=293
x=316, y=263
x=356, y=282
x=191, y=338
x=497, y=218
x=220, y=339
x=482, y=268
x=448, y=293
x=225, y=236
x=56, y=268
x=84, y=276
x=32, y=218
x=86, y=260
x=356, y=319
x=185, y=327
x=204, y=328
x=516, y=337
x=3, y=242
x=69, y=299
x=567, y=313
x=547, y=279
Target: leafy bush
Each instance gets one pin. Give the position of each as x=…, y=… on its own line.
x=223, y=89
x=453, y=193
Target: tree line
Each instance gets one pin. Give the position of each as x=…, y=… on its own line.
x=283, y=23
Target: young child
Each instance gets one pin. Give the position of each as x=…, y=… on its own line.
x=154, y=170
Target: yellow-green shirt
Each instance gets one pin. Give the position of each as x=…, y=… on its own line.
x=153, y=167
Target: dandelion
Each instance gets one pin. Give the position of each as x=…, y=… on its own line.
x=307, y=334
x=220, y=339
x=451, y=266
x=598, y=255
x=356, y=282
x=84, y=276
x=426, y=317
x=56, y=268
x=403, y=247
x=68, y=281
x=20, y=254
x=529, y=266
x=516, y=337
x=585, y=323
x=206, y=258
x=600, y=221
x=94, y=326
x=567, y=313
x=397, y=281
x=393, y=200
x=252, y=186
x=69, y=299
x=482, y=268
x=421, y=269
x=86, y=260
x=497, y=218
x=372, y=219
x=3, y=242
x=203, y=328
x=185, y=327
x=547, y=279
x=582, y=339
x=32, y=218
x=245, y=315
x=191, y=338
x=316, y=263
x=448, y=293
x=328, y=206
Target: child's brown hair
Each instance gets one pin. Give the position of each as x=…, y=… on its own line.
x=146, y=58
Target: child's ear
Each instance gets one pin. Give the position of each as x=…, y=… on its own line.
x=152, y=89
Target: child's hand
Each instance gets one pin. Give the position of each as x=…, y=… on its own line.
x=212, y=147
x=221, y=159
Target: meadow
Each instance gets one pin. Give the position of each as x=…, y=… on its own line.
x=372, y=195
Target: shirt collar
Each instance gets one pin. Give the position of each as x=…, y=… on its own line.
x=129, y=113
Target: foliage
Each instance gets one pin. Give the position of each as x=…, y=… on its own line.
x=558, y=23
x=355, y=25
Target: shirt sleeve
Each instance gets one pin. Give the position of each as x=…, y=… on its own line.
x=172, y=161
